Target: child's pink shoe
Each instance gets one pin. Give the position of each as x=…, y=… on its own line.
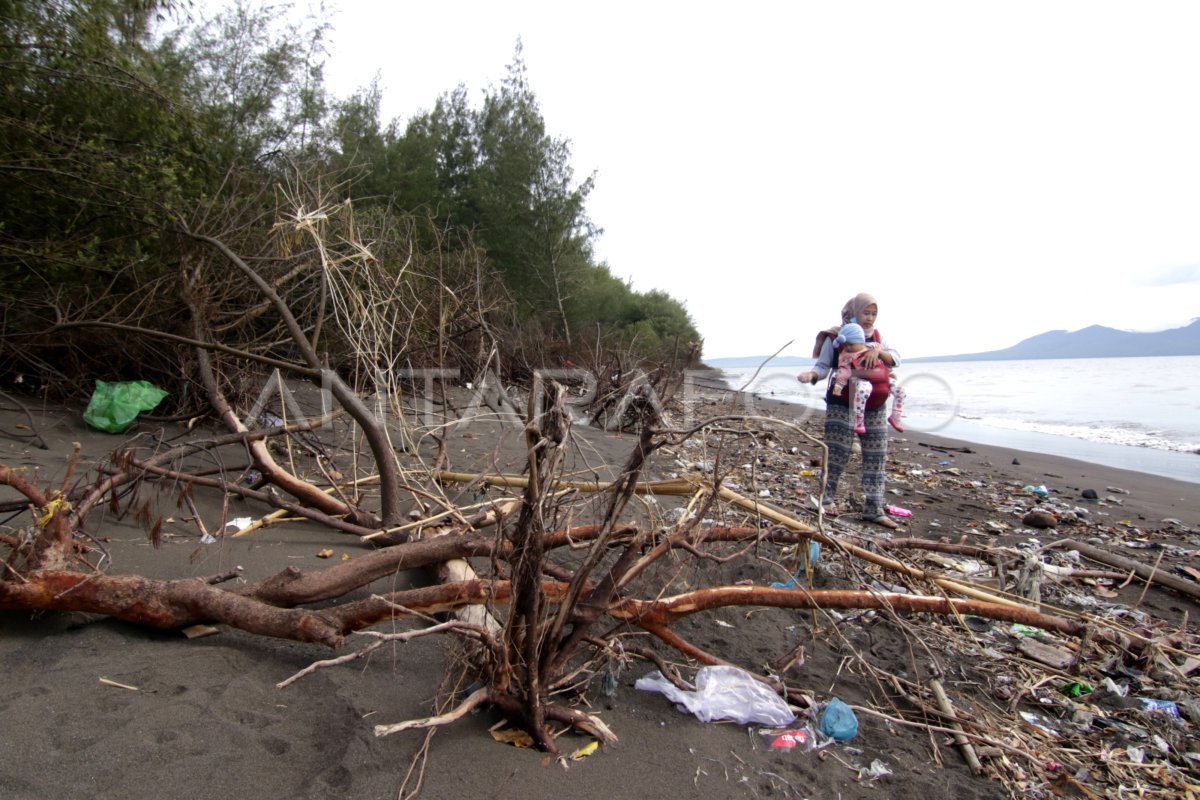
x=860, y=425
x=895, y=423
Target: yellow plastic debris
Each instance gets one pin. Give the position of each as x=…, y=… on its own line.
x=585, y=751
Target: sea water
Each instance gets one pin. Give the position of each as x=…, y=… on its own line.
x=1140, y=414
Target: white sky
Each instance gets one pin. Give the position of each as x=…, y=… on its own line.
x=989, y=171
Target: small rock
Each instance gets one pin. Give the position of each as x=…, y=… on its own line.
x=1090, y=494
x=1040, y=519
x=1016, y=462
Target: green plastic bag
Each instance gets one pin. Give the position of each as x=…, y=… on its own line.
x=114, y=406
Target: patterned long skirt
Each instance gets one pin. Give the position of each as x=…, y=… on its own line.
x=839, y=438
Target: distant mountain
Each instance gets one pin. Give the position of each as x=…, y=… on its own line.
x=1096, y=341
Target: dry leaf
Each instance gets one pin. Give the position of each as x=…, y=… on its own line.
x=513, y=736
x=326, y=553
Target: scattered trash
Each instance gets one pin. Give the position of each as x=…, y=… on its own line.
x=723, y=692
x=978, y=624
x=838, y=721
x=238, y=523
x=1024, y=630
x=1040, y=491
x=1075, y=689
x=1034, y=721
x=586, y=750
x=114, y=406
x=199, y=631
x=783, y=739
x=1168, y=707
x=877, y=770
x=814, y=553
x=897, y=511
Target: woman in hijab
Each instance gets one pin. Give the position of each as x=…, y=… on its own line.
x=839, y=428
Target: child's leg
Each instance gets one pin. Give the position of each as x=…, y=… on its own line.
x=862, y=390
x=897, y=392
x=840, y=379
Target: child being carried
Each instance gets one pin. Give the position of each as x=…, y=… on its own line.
x=852, y=347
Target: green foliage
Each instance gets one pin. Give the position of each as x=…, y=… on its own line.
x=90, y=144
x=256, y=85
x=109, y=135
x=494, y=171
x=115, y=133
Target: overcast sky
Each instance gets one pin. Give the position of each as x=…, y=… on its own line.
x=987, y=171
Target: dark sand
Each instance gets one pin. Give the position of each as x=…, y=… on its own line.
x=206, y=721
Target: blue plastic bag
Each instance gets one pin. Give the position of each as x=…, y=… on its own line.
x=838, y=721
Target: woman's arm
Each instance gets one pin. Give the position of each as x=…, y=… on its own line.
x=881, y=352
x=823, y=366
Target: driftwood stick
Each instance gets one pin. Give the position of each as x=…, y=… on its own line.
x=687, y=486
x=964, y=744
x=1146, y=573
x=33, y=434
x=476, y=698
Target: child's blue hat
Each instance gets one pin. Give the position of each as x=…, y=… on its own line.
x=851, y=332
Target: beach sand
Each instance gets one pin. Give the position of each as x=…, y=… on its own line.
x=202, y=717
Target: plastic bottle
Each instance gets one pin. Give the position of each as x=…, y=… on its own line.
x=838, y=721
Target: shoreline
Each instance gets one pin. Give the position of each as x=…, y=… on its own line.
x=1174, y=465
x=1151, y=497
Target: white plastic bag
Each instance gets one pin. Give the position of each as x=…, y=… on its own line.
x=724, y=692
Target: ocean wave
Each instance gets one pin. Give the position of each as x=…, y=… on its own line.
x=1125, y=434
x=1005, y=396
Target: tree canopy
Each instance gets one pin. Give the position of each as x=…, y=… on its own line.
x=126, y=121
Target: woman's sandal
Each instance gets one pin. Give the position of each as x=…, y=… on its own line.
x=883, y=520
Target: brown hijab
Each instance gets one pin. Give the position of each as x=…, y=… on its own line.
x=850, y=311
x=855, y=306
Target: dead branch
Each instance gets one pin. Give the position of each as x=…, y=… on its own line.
x=1146, y=573
x=33, y=435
